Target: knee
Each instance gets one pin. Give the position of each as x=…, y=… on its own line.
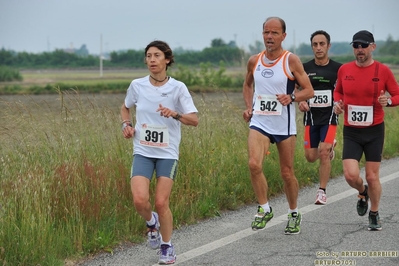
x=254, y=166
x=350, y=177
x=139, y=202
x=372, y=180
x=324, y=154
x=310, y=158
x=161, y=205
x=287, y=175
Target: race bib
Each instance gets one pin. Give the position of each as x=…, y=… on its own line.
x=154, y=136
x=360, y=115
x=321, y=98
x=267, y=105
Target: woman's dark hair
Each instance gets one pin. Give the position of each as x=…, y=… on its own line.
x=164, y=47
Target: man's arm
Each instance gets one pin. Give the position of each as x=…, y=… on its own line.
x=248, y=88
x=302, y=78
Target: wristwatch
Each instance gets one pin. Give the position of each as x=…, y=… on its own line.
x=177, y=117
x=292, y=97
x=389, y=103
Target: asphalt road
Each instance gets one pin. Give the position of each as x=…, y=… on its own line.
x=333, y=234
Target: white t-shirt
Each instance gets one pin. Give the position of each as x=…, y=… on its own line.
x=156, y=136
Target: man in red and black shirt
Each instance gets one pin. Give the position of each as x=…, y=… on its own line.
x=360, y=93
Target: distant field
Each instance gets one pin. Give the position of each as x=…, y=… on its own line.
x=114, y=80
x=43, y=77
x=79, y=78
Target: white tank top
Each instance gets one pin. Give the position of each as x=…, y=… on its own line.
x=273, y=78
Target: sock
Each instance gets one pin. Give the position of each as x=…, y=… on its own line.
x=152, y=221
x=169, y=243
x=266, y=207
x=364, y=193
x=292, y=211
x=373, y=213
x=323, y=189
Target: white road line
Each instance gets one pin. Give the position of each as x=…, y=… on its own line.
x=275, y=221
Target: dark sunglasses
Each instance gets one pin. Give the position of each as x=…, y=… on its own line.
x=363, y=45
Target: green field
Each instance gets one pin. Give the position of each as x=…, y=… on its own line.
x=64, y=168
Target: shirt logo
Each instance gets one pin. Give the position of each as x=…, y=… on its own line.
x=164, y=95
x=349, y=77
x=267, y=73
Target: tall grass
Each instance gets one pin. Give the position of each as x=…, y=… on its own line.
x=64, y=173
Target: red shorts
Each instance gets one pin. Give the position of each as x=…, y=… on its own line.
x=313, y=135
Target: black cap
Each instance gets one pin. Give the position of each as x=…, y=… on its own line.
x=363, y=36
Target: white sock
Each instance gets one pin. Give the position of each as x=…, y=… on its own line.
x=152, y=221
x=291, y=211
x=266, y=207
x=166, y=243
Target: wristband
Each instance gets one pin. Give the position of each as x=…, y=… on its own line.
x=126, y=124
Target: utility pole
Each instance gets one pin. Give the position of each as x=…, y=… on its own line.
x=101, y=55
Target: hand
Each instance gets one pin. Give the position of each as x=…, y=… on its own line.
x=339, y=107
x=303, y=106
x=166, y=112
x=247, y=115
x=383, y=99
x=284, y=99
x=128, y=131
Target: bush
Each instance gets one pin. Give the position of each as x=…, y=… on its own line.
x=9, y=74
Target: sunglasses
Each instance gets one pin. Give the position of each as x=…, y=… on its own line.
x=363, y=45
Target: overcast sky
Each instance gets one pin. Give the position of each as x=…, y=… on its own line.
x=37, y=26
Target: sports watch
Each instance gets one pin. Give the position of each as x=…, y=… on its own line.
x=292, y=97
x=389, y=102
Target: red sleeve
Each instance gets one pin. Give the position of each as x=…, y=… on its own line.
x=392, y=87
x=338, y=93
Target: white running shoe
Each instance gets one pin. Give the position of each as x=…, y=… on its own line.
x=167, y=254
x=154, y=237
x=321, y=197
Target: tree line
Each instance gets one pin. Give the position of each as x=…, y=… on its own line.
x=219, y=50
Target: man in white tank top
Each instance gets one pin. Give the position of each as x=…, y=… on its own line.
x=269, y=96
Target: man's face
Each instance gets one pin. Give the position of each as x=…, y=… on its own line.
x=320, y=46
x=273, y=35
x=363, y=51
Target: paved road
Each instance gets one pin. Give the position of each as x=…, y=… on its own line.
x=331, y=235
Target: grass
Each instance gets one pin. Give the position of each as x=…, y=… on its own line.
x=64, y=167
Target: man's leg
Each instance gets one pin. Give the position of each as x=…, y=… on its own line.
x=286, y=150
x=374, y=184
x=258, y=145
x=352, y=174
x=325, y=163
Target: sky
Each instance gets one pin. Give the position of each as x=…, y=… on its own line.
x=37, y=26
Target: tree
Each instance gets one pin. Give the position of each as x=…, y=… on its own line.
x=217, y=43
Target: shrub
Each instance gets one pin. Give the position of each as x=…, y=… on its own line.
x=9, y=74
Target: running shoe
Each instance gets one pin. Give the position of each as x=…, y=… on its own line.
x=293, y=224
x=321, y=197
x=261, y=218
x=374, y=222
x=167, y=254
x=332, y=152
x=362, y=203
x=154, y=237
